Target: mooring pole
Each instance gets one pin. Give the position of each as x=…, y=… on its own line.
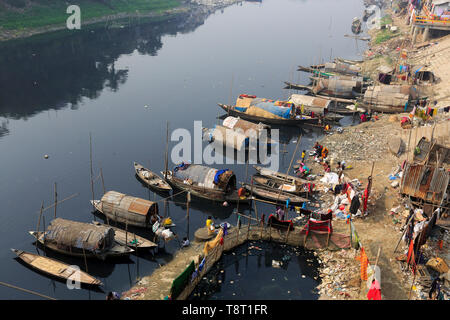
x=188, y=201
x=39, y=222
x=92, y=173
x=56, y=199
x=166, y=161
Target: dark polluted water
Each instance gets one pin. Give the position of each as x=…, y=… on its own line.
x=260, y=270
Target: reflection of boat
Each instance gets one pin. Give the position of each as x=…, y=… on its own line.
x=273, y=194
x=81, y=239
x=127, y=209
x=205, y=182
x=151, y=179
x=356, y=25
x=55, y=268
x=129, y=239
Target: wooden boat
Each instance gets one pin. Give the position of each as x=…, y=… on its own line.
x=278, y=176
x=329, y=88
x=55, y=268
x=198, y=180
x=286, y=122
x=297, y=188
x=130, y=239
x=274, y=194
x=348, y=61
x=151, y=179
x=316, y=72
x=127, y=209
x=116, y=251
x=80, y=239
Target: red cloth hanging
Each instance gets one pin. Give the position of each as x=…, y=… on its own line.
x=374, y=291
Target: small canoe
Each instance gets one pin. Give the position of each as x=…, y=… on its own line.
x=278, y=176
x=151, y=179
x=131, y=239
x=55, y=268
x=116, y=251
x=273, y=194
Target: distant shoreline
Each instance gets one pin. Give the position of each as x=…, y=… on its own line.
x=184, y=7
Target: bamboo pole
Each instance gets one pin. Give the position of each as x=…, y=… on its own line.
x=39, y=222
x=287, y=234
x=103, y=181
x=26, y=290
x=68, y=198
x=188, y=201
x=328, y=236
x=288, y=170
x=166, y=160
x=43, y=235
x=92, y=173
x=85, y=260
x=126, y=232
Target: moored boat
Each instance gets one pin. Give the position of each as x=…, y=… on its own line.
x=151, y=179
x=127, y=209
x=298, y=187
x=81, y=239
x=129, y=239
x=273, y=194
x=55, y=268
x=205, y=182
x=255, y=109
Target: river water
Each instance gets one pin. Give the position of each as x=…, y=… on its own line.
x=121, y=85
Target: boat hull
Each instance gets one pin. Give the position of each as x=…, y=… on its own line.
x=118, y=251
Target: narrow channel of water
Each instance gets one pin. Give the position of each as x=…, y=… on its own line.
x=260, y=270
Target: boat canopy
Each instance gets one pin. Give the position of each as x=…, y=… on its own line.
x=237, y=123
x=264, y=107
x=128, y=209
x=68, y=233
x=231, y=138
